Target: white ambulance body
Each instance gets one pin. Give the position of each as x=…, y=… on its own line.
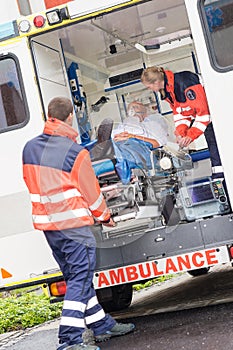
x=86, y=50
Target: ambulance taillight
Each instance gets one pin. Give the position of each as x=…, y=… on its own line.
x=231, y=252
x=57, y=289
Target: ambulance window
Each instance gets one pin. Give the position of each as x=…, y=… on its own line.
x=13, y=107
x=217, y=19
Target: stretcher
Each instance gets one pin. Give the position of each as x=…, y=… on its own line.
x=142, y=183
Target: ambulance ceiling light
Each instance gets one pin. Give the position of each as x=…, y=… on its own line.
x=145, y=48
x=160, y=29
x=141, y=48
x=165, y=45
x=39, y=21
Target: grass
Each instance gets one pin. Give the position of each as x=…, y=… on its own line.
x=26, y=311
x=149, y=283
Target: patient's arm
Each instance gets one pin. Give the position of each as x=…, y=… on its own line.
x=125, y=135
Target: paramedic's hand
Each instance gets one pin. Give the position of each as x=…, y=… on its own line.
x=111, y=223
x=122, y=136
x=178, y=138
x=184, y=141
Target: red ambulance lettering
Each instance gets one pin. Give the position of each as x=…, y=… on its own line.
x=198, y=260
x=184, y=262
x=103, y=281
x=156, y=272
x=151, y=269
x=148, y=270
x=131, y=272
x=170, y=266
x=211, y=257
x=117, y=276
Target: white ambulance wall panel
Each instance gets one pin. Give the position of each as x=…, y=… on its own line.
x=37, y=5
x=50, y=69
x=9, y=10
x=20, y=247
x=25, y=255
x=14, y=140
x=218, y=86
x=14, y=199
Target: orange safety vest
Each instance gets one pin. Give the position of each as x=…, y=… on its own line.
x=194, y=106
x=58, y=172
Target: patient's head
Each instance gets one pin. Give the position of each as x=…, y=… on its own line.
x=137, y=109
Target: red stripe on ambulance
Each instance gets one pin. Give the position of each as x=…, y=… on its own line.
x=151, y=269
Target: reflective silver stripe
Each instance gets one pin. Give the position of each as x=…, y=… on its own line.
x=181, y=109
x=66, y=215
x=58, y=197
x=217, y=169
x=92, y=302
x=97, y=203
x=178, y=117
x=202, y=118
x=182, y=122
x=74, y=305
x=199, y=126
x=72, y=322
x=101, y=217
x=95, y=317
x=35, y=198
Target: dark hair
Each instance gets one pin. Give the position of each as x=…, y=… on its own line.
x=60, y=108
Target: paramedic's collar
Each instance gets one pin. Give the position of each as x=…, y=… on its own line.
x=166, y=93
x=55, y=126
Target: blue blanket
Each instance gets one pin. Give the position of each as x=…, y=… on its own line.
x=131, y=154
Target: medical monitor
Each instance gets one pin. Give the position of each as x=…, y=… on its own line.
x=201, y=193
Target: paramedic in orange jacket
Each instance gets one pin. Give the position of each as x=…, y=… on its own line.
x=187, y=99
x=66, y=199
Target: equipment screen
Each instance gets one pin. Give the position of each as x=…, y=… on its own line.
x=201, y=193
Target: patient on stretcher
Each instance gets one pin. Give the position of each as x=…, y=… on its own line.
x=129, y=145
x=139, y=124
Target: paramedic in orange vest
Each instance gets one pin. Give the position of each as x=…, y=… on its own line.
x=66, y=200
x=187, y=99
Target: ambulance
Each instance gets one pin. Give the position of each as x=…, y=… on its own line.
x=93, y=52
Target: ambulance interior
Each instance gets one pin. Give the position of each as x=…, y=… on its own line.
x=98, y=63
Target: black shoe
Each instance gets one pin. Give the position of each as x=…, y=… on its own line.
x=116, y=331
x=105, y=130
x=103, y=148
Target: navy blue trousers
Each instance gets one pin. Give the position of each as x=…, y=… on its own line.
x=81, y=308
x=214, y=153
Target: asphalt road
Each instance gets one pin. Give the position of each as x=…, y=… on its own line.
x=184, y=313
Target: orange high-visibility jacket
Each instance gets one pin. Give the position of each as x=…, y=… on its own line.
x=64, y=190
x=187, y=99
